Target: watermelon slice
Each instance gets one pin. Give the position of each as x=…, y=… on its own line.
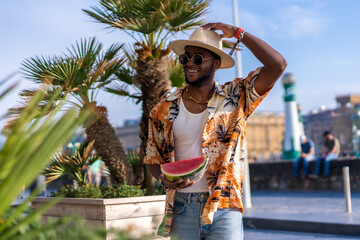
x=192, y=169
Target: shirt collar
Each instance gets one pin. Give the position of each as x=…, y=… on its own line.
x=177, y=94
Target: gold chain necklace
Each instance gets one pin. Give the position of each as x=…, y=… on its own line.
x=196, y=101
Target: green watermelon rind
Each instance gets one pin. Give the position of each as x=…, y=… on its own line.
x=195, y=175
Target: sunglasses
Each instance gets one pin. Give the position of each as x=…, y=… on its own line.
x=197, y=59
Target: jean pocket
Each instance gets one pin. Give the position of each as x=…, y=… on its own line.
x=179, y=206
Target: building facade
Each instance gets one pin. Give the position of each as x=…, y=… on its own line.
x=265, y=135
x=339, y=121
x=129, y=135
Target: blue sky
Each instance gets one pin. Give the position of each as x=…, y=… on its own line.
x=319, y=39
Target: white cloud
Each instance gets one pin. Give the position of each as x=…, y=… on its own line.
x=298, y=22
x=288, y=21
x=253, y=22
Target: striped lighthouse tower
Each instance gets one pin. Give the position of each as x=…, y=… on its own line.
x=301, y=121
x=291, y=144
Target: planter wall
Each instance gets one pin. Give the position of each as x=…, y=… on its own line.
x=279, y=176
x=138, y=215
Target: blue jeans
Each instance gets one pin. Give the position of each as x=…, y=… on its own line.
x=305, y=161
x=227, y=223
x=326, y=160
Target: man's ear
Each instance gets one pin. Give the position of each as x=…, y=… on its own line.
x=217, y=64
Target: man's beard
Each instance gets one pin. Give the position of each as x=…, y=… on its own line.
x=200, y=80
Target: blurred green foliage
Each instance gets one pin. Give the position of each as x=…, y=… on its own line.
x=106, y=191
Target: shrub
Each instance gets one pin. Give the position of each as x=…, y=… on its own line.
x=92, y=191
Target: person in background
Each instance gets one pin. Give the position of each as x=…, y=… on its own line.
x=307, y=154
x=95, y=172
x=330, y=152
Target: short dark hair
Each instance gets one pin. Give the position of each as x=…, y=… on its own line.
x=326, y=133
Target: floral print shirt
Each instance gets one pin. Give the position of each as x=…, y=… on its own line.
x=222, y=143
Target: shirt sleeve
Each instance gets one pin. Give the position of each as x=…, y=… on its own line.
x=312, y=145
x=152, y=154
x=249, y=98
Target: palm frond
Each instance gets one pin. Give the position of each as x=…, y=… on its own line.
x=152, y=20
x=131, y=15
x=58, y=167
x=79, y=72
x=113, y=51
x=48, y=103
x=176, y=73
x=106, y=71
x=7, y=90
x=184, y=14
x=35, y=68
x=120, y=88
x=125, y=75
x=86, y=49
x=81, y=59
x=71, y=164
x=117, y=89
x=123, y=81
x=130, y=56
x=230, y=44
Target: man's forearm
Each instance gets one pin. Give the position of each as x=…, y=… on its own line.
x=312, y=151
x=274, y=62
x=333, y=150
x=268, y=56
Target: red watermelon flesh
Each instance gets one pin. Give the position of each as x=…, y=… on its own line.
x=191, y=169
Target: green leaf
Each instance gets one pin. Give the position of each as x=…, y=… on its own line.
x=176, y=73
x=27, y=149
x=118, y=92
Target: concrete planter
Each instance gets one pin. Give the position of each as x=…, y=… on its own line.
x=138, y=215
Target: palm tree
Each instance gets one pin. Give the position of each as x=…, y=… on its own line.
x=78, y=75
x=150, y=23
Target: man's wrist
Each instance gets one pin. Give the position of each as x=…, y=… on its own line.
x=166, y=188
x=239, y=34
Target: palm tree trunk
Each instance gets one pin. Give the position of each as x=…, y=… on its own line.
x=153, y=77
x=109, y=147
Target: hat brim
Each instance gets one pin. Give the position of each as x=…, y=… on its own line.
x=178, y=47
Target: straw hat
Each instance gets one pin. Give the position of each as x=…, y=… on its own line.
x=205, y=39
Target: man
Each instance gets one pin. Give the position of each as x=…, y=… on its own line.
x=306, y=155
x=330, y=152
x=206, y=119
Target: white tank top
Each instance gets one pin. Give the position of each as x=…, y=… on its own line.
x=188, y=128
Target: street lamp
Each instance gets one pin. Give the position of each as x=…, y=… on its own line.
x=247, y=190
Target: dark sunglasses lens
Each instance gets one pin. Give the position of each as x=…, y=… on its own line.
x=197, y=59
x=183, y=59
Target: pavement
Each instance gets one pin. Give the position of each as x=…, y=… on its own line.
x=250, y=234
x=302, y=212
x=300, y=215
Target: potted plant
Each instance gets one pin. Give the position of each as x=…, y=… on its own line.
x=120, y=206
